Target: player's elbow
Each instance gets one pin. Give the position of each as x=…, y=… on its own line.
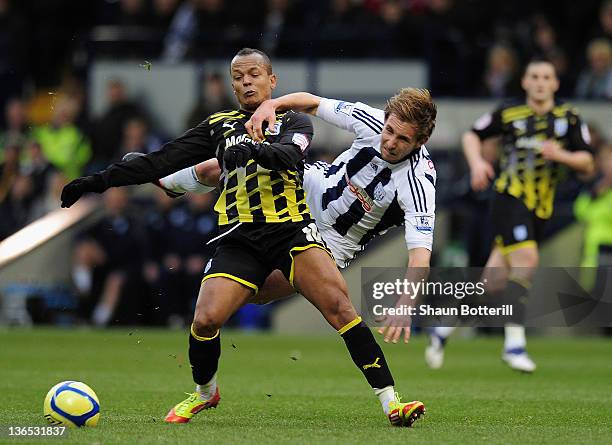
x=469, y=138
x=419, y=257
x=588, y=169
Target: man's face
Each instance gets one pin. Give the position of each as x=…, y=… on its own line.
x=250, y=81
x=398, y=139
x=540, y=81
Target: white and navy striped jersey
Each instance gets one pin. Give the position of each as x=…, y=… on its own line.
x=360, y=195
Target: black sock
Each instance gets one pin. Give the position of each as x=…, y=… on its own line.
x=515, y=294
x=204, y=356
x=366, y=354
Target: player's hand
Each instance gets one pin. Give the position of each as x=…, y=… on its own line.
x=73, y=191
x=238, y=155
x=552, y=150
x=395, y=324
x=481, y=175
x=266, y=112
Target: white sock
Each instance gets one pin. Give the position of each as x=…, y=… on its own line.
x=101, y=315
x=515, y=337
x=444, y=332
x=82, y=278
x=209, y=389
x=386, y=395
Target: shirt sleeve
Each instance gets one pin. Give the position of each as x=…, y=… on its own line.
x=488, y=125
x=192, y=147
x=578, y=134
x=284, y=154
x=417, y=196
x=358, y=118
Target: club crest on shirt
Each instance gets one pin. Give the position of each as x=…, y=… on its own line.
x=275, y=129
x=561, y=127
x=520, y=232
x=520, y=125
x=374, y=167
x=423, y=224
x=344, y=108
x=379, y=192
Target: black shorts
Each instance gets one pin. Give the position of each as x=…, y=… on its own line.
x=514, y=225
x=249, y=252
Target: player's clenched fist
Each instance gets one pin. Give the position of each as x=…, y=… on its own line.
x=73, y=191
x=238, y=155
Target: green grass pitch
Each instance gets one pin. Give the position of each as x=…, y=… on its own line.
x=304, y=389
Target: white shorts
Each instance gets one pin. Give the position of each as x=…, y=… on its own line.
x=314, y=185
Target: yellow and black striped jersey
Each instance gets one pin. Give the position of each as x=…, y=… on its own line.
x=255, y=193
x=270, y=194
x=524, y=173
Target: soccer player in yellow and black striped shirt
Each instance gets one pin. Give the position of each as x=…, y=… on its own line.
x=540, y=138
x=265, y=225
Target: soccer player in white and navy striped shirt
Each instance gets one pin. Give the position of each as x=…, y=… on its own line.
x=385, y=179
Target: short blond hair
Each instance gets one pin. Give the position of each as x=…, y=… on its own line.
x=414, y=106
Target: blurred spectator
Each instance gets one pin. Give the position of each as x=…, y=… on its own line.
x=137, y=136
x=336, y=36
x=13, y=51
x=133, y=13
x=213, y=98
x=502, y=77
x=9, y=169
x=603, y=28
x=445, y=47
x=595, y=82
x=274, y=23
x=280, y=35
x=594, y=210
x=63, y=144
x=178, y=233
x=107, y=265
x=16, y=126
x=210, y=28
x=162, y=13
x=13, y=193
x=544, y=36
x=161, y=268
x=46, y=182
x=108, y=128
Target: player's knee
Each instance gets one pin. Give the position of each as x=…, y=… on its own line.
x=260, y=298
x=524, y=261
x=206, y=323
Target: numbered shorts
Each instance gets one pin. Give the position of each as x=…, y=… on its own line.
x=249, y=252
x=514, y=225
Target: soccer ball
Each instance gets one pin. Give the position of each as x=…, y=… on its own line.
x=72, y=404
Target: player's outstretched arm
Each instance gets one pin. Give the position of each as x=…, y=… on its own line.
x=190, y=148
x=266, y=112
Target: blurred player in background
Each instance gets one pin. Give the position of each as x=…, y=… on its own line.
x=385, y=179
x=540, y=136
x=265, y=225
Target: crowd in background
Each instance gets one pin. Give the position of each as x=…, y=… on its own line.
x=472, y=47
x=140, y=262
